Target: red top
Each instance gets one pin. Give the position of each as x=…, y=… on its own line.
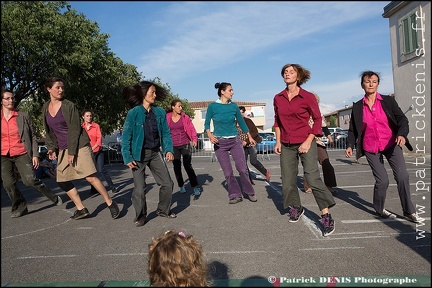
x=292, y=117
x=10, y=138
x=95, y=134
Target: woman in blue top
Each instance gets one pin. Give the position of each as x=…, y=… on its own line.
x=225, y=138
x=145, y=133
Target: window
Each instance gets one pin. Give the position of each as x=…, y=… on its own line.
x=411, y=29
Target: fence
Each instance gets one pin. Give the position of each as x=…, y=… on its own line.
x=205, y=149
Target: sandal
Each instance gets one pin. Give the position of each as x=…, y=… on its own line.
x=164, y=214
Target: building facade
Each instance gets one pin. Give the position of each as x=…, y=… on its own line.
x=254, y=110
x=409, y=23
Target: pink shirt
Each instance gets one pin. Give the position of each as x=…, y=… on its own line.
x=378, y=135
x=10, y=138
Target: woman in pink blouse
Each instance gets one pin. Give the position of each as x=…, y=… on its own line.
x=184, y=136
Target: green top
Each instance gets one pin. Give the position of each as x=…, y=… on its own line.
x=224, y=118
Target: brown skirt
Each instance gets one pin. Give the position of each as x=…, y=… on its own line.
x=84, y=165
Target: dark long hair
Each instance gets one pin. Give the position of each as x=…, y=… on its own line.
x=134, y=95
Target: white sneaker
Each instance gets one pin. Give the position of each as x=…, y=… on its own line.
x=413, y=217
x=387, y=214
x=182, y=189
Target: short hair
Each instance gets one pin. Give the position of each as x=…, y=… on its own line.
x=176, y=260
x=368, y=74
x=4, y=90
x=242, y=108
x=302, y=73
x=50, y=81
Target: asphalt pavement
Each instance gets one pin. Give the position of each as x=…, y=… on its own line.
x=246, y=244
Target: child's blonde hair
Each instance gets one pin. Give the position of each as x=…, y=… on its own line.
x=176, y=260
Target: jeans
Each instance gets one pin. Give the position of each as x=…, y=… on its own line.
x=179, y=152
x=160, y=172
x=99, y=159
x=24, y=166
x=223, y=149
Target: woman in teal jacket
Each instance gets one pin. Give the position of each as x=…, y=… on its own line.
x=146, y=137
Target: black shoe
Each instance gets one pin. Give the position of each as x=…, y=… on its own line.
x=141, y=221
x=17, y=214
x=164, y=214
x=80, y=214
x=114, y=209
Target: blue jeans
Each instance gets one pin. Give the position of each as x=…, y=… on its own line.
x=25, y=167
x=99, y=159
x=223, y=149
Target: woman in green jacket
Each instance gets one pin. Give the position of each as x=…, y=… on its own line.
x=146, y=137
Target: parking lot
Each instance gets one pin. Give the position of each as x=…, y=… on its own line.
x=246, y=244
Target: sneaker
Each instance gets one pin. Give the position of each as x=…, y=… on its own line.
x=235, y=200
x=182, y=189
x=328, y=224
x=387, y=215
x=141, y=221
x=114, y=209
x=295, y=212
x=197, y=191
x=169, y=215
x=413, y=217
x=58, y=201
x=17, y=214
x=80, y=214
x=308, y=190
x=252, y=198
x=267, y=176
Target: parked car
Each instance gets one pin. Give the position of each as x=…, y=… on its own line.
x=340, y=139
x=267, y=145
x=325, y=140
x=264, y=135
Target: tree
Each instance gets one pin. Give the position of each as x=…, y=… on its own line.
x=167, y=102
x=332, y=121
x=41, y=39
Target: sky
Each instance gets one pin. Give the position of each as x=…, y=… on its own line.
x=192, y=45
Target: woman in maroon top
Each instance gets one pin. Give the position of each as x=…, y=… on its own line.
x=295, y=139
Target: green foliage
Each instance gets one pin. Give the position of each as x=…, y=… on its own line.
x=41, y=39
x=166, y=104
x=332, y=121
